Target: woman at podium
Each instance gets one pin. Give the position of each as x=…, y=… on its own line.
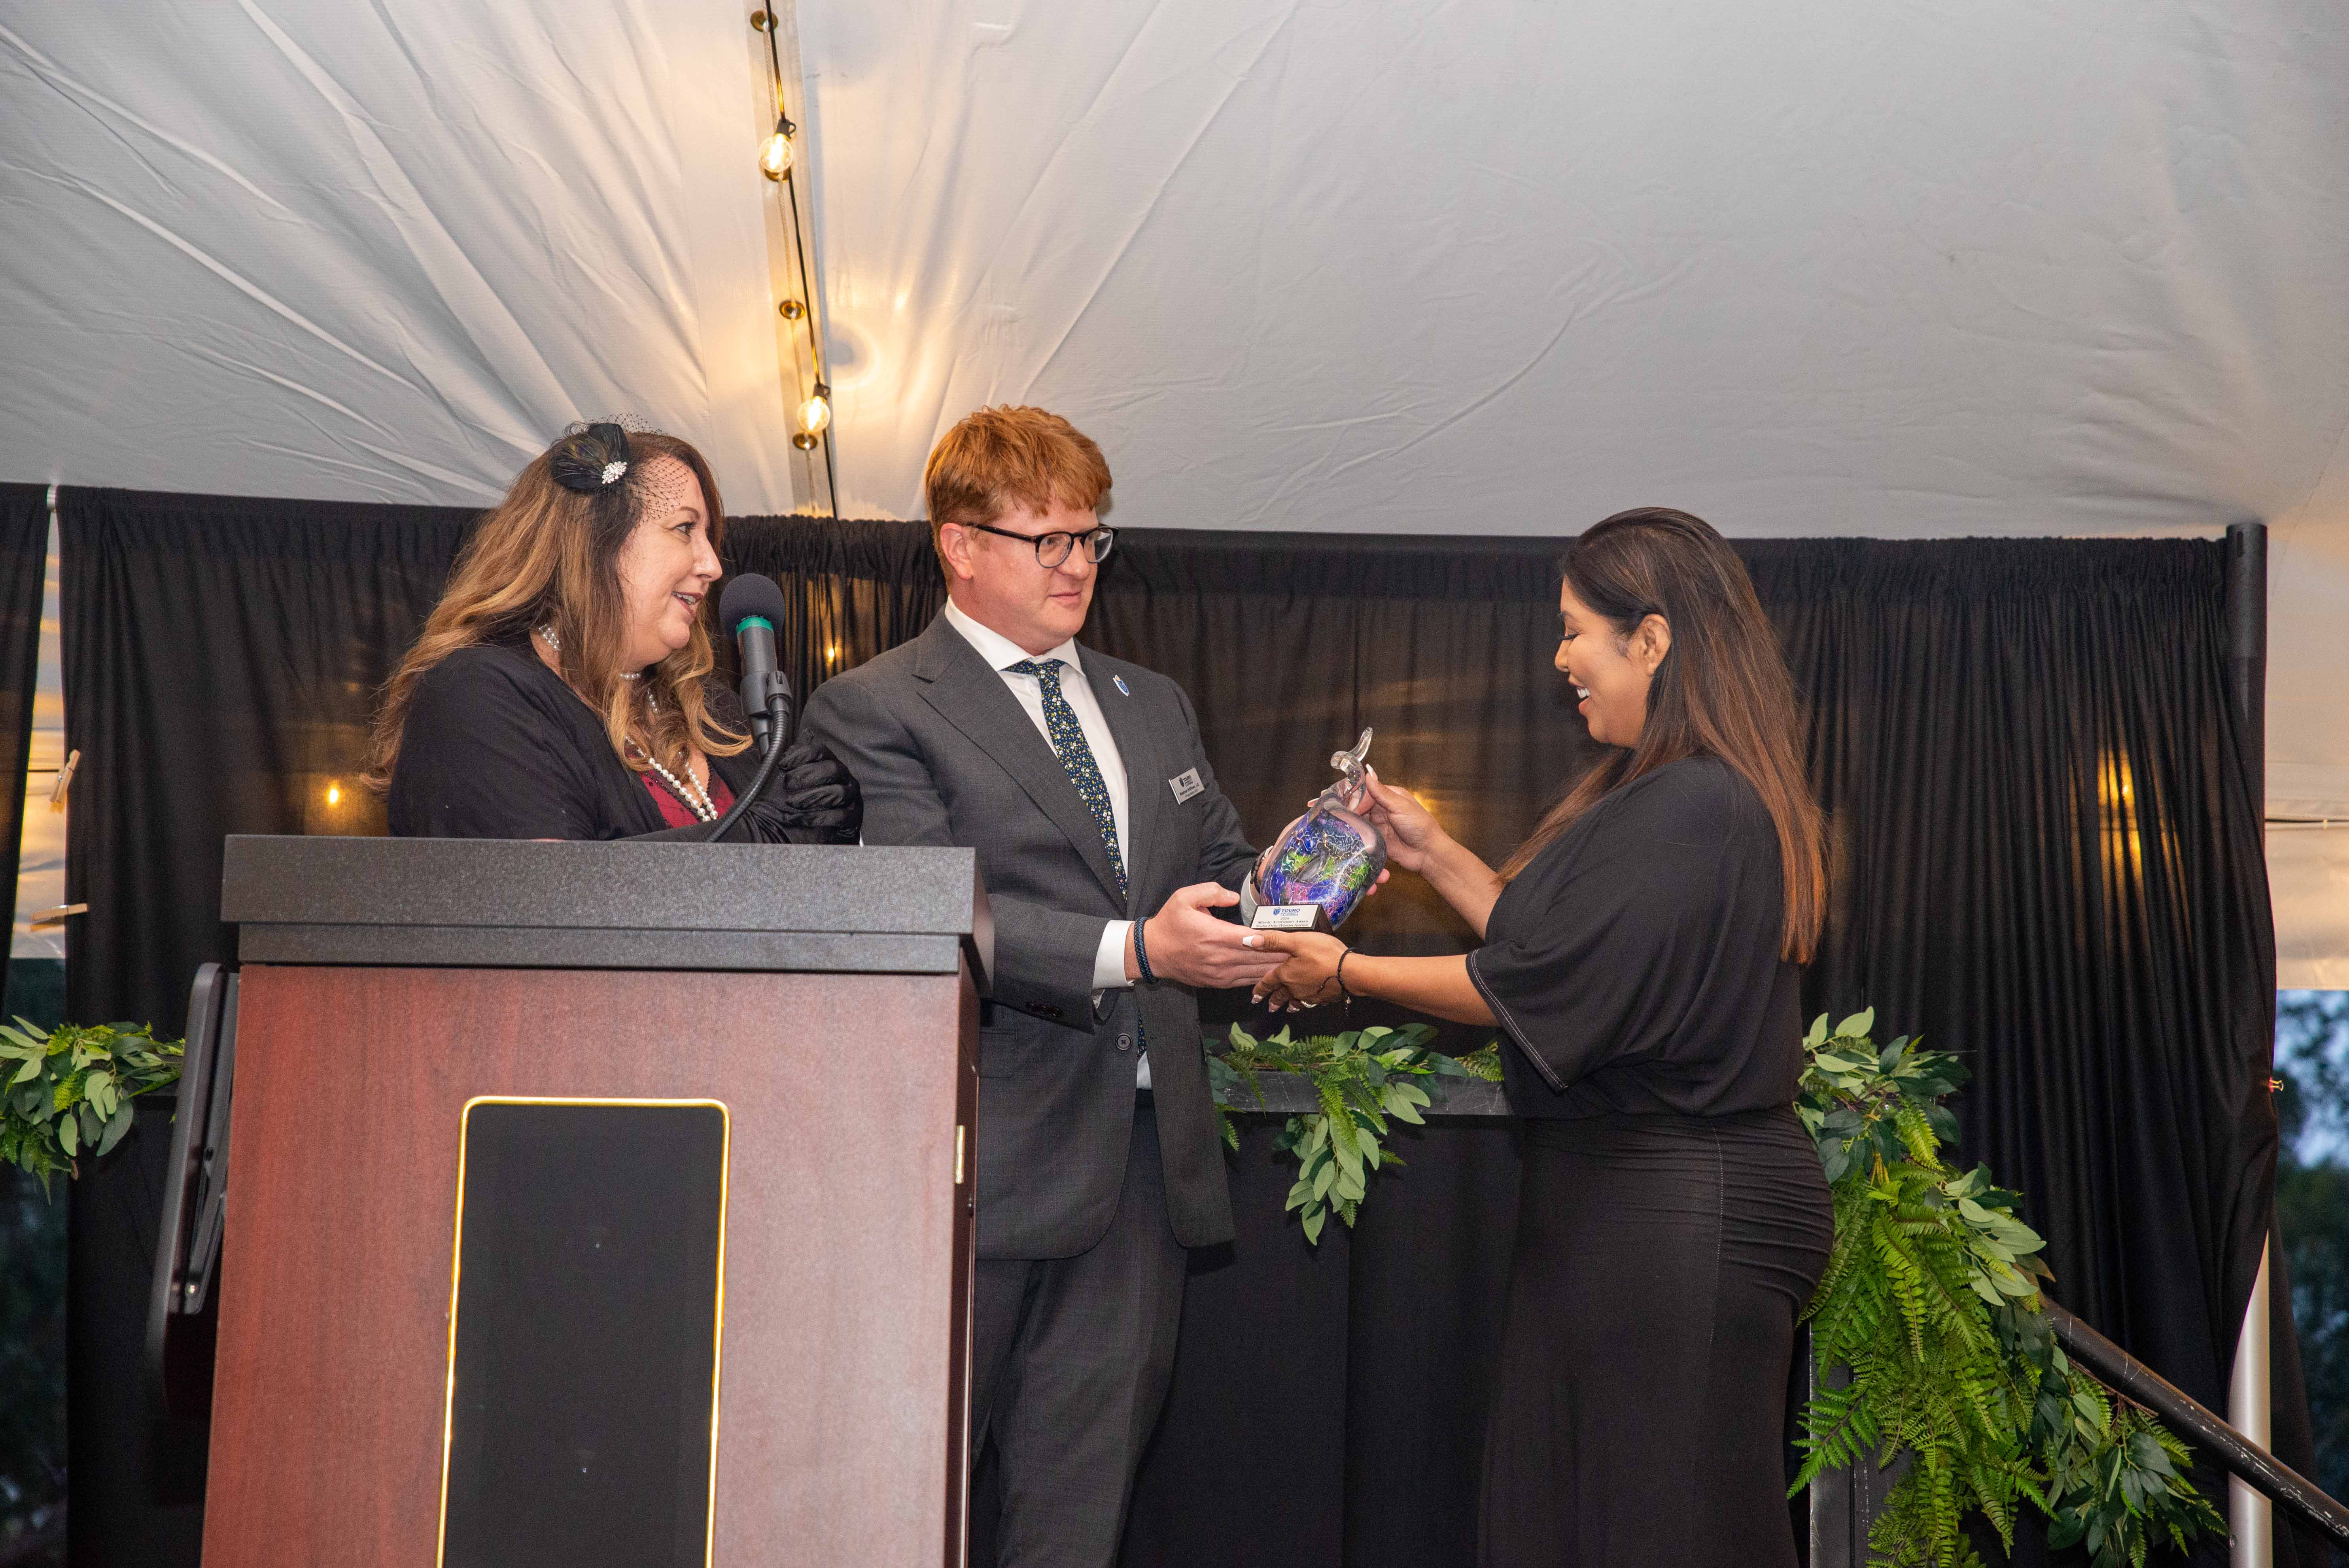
x=560, y=689
x=1640, y=956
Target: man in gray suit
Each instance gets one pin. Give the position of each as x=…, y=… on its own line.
x=1106, y=847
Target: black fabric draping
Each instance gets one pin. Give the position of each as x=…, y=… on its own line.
x=24, y=565
x=222, y=657
x=2045, y=860
x=859, y=588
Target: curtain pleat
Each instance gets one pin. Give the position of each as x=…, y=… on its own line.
x=24, y=558
x=2044, y=858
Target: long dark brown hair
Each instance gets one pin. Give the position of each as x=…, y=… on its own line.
x=1722, y=690
x=547, y=556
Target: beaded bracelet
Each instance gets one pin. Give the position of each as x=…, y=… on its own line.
x=1141, y=956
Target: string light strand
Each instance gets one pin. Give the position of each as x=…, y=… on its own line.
x=778, y=161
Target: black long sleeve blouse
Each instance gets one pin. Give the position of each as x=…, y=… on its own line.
x=497, y=746
x=1635, y=963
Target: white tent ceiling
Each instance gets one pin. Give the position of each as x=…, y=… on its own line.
x=1429, y=265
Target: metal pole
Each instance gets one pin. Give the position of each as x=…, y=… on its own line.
x=2250, y=1394
x=2250, y=1517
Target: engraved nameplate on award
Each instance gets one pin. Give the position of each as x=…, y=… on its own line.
x=1290, y=917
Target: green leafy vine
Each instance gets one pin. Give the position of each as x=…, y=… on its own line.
x=1362, y=1078
x=68, y=1093
x=1930, y=1313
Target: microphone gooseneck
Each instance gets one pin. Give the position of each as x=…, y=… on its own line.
x=768, y=766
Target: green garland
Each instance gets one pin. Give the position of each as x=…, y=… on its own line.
x=1931, y=1307
x=70, y=1091
x=1362, y=1078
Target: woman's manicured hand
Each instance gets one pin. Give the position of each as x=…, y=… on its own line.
x=1411, y=830
x=1308, y=976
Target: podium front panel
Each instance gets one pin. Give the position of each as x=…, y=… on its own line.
x=584, y=1353
x=848, y=1100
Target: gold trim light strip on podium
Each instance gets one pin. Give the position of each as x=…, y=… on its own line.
x=455, y=1268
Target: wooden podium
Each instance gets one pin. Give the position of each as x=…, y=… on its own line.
x=815, y=1009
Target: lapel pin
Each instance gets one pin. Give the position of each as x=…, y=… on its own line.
x=1123, y=689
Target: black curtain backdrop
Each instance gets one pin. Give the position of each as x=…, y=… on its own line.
x=221, y=662
x=24, y=564
x=2047, y=859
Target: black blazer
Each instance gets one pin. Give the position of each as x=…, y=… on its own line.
x=497, y=746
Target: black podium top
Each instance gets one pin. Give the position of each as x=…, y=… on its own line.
x=500, y=903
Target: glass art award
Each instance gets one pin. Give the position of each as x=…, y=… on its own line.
x=1328, y=859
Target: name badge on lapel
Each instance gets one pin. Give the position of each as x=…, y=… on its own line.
x=1186, y=784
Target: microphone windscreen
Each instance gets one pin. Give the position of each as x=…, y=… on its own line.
x=750, y=594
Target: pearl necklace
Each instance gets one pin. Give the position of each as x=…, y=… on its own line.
x=555, y=645
x=697, y=800
x=695, y=797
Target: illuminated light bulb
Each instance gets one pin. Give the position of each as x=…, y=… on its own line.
x=333, y=794
x=775, y=154
x=831, y=652
x=815, y=414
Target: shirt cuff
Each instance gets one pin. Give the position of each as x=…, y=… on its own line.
x=1109, y=958
x=1249, y=899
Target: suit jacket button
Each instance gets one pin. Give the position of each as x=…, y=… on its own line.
x=1125, y=1042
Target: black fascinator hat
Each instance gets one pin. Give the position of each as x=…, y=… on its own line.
x=591, y=458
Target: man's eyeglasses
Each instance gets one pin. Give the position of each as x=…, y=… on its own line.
x=1053, y=548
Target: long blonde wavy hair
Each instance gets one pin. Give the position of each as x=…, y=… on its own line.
x=548, y=556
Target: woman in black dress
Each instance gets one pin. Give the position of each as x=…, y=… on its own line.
x=559, y=689
x=1641, y=953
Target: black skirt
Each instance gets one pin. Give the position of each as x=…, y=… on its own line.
x=1639, y=1414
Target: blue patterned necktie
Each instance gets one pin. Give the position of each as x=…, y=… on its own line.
x=1069, y=741
x=1076, y=757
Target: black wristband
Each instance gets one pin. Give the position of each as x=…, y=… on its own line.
x=1141, y=956
x=1343, y=994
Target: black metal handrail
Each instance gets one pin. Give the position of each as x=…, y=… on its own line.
x=2235, y=1453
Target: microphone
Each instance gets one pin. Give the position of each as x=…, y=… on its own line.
x=751, y=609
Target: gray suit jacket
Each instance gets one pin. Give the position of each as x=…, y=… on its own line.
x=945, y=755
